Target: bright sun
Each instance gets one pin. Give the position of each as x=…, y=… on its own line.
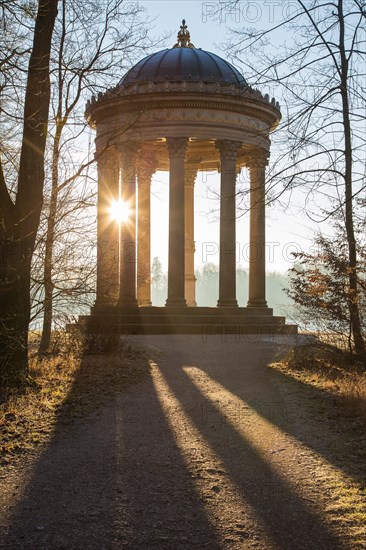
x=119, y=211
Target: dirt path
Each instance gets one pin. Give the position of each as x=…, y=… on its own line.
x=212, y=450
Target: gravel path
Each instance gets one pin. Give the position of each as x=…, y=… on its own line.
x=212, y=450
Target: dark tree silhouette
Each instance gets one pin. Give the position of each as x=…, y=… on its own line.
x=20, y=217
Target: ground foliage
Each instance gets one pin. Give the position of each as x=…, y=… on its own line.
x=66, y=385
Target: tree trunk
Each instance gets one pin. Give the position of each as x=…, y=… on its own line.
x=50, y=239
x=21, y=220
x=51, y=222
x=353, y=301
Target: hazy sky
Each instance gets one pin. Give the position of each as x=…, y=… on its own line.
x=286, y=231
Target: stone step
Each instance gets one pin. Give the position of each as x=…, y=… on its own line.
x=194, y=311
x=114, y=320
x=107, y=320
x=189, y=328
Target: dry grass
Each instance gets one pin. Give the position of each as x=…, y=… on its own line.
x=332, y=369
x=62, y=387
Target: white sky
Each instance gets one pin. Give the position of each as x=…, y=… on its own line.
x=286, y=231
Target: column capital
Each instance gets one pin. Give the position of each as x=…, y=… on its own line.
x=228, y=149
x=103, y=154
x=257, y=159
x=190, y=175
x=128, y=151
x=146, y=167
x=177, y=147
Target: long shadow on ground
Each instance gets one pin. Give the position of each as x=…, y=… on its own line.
x=118, y=479
x=297, y=409
x=287, y=518
x=114, y=479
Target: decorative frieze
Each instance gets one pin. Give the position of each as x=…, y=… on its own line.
x=175, y=86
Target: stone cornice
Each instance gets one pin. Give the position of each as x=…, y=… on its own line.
x=145, y=96
x=210, y=88
x=166, y=106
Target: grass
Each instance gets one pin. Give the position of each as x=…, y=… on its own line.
x=332, y=369
x=62, y=387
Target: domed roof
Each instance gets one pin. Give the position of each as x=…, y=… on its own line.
x=183, y=62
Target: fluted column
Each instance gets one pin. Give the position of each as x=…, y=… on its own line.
x=190, y=279
x=257, y=261
x=127, y=269
x=107, y=228
x=145, y=170
x=177, y=149
x=227, y=274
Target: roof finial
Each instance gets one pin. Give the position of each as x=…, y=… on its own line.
x=184, y=38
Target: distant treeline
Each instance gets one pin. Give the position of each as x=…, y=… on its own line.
x=207, y=287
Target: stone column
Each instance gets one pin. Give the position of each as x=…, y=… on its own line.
x=107, y=228
x=145, y=170
x=227, y=274
x=127, y=266
x=177, y=149
x=190, y=279
x=257, y=240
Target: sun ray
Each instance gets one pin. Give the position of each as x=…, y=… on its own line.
x=195, y=450
x=273, y=444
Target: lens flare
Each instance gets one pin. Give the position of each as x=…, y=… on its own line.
x=119, y=211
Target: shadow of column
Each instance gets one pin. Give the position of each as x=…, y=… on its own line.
x=296, y=408
x=286, y=516
x=114, y=479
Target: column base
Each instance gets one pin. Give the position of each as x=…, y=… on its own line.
x=145, y=303
x=127, y=303
x=257, y=303
x=101, y=304
x=192, y=304
x=223, y=302
x=174, y=302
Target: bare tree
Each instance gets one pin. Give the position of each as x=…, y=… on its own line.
x=321, y=74
x=92, y=44
x=73, y=255
x=20, y=217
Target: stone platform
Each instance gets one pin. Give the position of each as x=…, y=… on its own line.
x=184, y=320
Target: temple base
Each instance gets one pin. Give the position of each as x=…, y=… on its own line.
x=127, y=303
x=184, y=320
x=176, y=303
